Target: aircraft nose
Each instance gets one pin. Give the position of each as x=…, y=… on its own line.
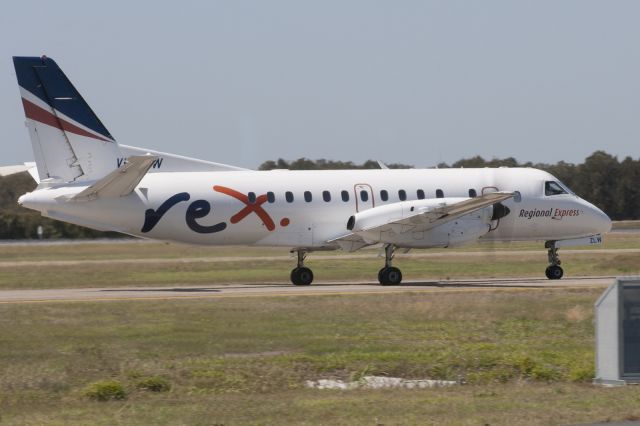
x=599, y=220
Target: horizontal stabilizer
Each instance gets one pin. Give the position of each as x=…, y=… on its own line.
x=12, y=170
x=120, y=182
x=32, y=168
x=29, y=167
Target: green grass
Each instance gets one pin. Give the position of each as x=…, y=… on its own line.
x=525, y=357
x=152, y=264
x=255, y=270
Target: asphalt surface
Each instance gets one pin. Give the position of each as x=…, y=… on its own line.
x=284, y=257
x=284, y=290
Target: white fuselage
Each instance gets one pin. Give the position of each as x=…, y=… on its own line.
x=269, y=208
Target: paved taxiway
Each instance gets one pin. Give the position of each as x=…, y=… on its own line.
x=224, y=259
x=275, y=290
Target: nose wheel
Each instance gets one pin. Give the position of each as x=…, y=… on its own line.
x=554, y=270
x=301, y=275
x=389, y=275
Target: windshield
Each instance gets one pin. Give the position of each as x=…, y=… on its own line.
x=555, y=188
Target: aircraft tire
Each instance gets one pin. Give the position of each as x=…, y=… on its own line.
x=301, y=276
x=390, y=276
x=554, y=272
x=380, y=275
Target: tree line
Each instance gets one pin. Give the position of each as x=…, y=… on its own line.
x=610, y=184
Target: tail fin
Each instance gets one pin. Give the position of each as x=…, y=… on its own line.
x=69, y=141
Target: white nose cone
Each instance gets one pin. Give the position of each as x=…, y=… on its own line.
x=598, y=220
x=604, y=222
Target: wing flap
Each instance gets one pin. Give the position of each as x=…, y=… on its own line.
x=350, y=242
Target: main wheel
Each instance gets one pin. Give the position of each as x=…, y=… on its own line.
x=390, y=276
x=554, y=272
x=301, y=276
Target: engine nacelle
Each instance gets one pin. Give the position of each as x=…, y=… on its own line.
x=375, y=226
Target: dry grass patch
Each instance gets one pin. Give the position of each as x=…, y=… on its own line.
x=577, y=314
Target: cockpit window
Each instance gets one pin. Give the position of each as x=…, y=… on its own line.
x=553, y=188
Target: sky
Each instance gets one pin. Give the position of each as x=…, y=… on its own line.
x=415, y=82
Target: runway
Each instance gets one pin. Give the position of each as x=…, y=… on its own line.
x=288, y=290
x=323, y=257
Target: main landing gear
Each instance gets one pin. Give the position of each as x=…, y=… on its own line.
x=553, y=271
x=389, y=275
x=301, y=275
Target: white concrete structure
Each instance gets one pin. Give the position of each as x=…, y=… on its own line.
x=617, y=317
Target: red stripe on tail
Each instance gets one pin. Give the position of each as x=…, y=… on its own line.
x=43, y=116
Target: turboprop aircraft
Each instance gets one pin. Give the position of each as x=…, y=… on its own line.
x=86, y=178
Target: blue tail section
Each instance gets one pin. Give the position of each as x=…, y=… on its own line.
x=70, y=143
x=42, y=77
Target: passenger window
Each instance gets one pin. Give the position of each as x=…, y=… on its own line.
x=271, y=198
x=420, y=194
x=517, y=197
x=252, y=197
x=288, y=196
x=345, y=196
x=384, y=195
x=326, y=196
x=472, y=193
x=307, y=196
x=439, y=193
x=364, y=195
x=402, y=195
x=553, y=188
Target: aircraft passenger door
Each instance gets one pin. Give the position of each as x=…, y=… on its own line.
x=364, y=196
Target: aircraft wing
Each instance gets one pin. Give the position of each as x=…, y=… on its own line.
x=437, y=216
x=423, y=218
x=119, y=182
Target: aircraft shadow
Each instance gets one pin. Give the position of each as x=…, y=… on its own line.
x=502, y=284
x=175, y=289
x=196, y=289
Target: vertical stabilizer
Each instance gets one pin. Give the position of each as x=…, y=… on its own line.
x=69, y=141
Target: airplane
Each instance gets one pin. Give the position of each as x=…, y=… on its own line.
x=86, y=178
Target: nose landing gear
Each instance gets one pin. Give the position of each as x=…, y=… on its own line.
x=301, y=275
x=553, y=271
x=389, y=275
